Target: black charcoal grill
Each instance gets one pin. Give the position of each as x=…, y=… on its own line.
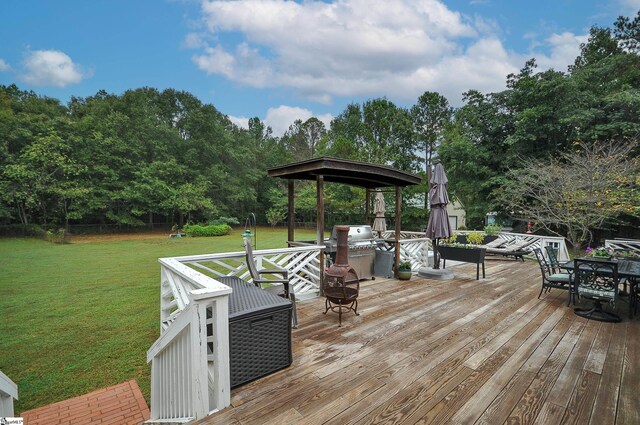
x=362, y=249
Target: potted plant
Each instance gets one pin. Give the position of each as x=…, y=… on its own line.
x=491, y=232
x=404, y=270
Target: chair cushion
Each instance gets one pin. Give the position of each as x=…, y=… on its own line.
x=277, y=289
x=596, y=293
x=560, y=278
x=495, y=243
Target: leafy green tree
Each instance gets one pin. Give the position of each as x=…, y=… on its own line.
x=627, y=32
x=41, y=178
x=585, y=188
x=430, y=115
x=314, y=131
x=378, y=132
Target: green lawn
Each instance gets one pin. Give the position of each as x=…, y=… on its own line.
x=81, y=316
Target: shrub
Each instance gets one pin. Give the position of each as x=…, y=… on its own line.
x=475, y=238
x=19, y=230
x=231, y=221
x=210, y=230
x=275, y=215
x=463, y=227
x=492, y=229
x=57, y=235
x=453, y=239
x=404, y=266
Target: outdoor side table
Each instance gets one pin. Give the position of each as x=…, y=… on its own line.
x=259, y=332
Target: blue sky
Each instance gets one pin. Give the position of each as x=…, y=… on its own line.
x=281, y=60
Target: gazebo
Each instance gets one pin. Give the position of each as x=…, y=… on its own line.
x=336, y=170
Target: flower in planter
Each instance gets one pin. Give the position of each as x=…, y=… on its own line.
x=601, y=251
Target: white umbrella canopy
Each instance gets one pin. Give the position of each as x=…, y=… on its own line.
x=379, y=208
x=438, y=226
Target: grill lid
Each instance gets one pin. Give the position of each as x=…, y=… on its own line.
x=356, y=233
x=360, y=237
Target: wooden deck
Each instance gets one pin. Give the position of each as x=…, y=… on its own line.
x=461, y=351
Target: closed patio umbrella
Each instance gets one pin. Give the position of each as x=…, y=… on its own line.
x=379, y=208
x=438, y=226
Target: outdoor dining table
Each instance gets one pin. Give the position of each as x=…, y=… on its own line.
x=629, y=269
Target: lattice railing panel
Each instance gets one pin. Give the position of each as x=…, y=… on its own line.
x=629, y=245
x=301, y=262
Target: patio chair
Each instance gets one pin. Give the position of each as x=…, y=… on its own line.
x=274, y=284
x=598, y=281
x=552, y=280
x=516, y=249
x=554, y=264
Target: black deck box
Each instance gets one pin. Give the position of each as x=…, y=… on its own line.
x=259, y=332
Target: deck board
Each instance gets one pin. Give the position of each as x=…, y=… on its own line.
x=459, y=351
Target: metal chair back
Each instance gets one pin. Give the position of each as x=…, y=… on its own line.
x=598, y=281
x=553, y=259
x=544, y=266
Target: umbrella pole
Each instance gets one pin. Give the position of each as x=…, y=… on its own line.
x=436, y=255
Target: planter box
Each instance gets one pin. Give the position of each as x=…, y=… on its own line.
x=465, y=255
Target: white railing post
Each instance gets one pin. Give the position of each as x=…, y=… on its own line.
x=218, y=371
x=8, y=393
x=188, y=382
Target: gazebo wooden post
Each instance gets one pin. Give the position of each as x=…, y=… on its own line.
x=291, y=211
x=398, y=228
x=320, y=221
x=367, y=208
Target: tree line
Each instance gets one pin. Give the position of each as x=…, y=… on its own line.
x=147, y=155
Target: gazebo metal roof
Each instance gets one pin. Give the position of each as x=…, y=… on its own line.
x=337, y=170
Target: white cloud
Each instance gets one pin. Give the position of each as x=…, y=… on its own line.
x=245, y=65
x=280, y=118
x=344, y=48
x=194, y=40
x=51, y=68
x=358, y=48
x=563, y=48
x=630, y=6
x=241, y=122
x=4, y=66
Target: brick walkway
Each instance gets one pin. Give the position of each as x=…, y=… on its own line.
x=122, y=404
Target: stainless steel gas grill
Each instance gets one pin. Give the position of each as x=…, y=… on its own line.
x=362, y=249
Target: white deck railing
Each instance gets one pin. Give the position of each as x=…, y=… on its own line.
x=302, y=262
x=189, y=379
x=631, y=245
x=8, y=393
x=189, y=363
x=414, y=247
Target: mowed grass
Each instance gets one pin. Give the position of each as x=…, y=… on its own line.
x=81, y=316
